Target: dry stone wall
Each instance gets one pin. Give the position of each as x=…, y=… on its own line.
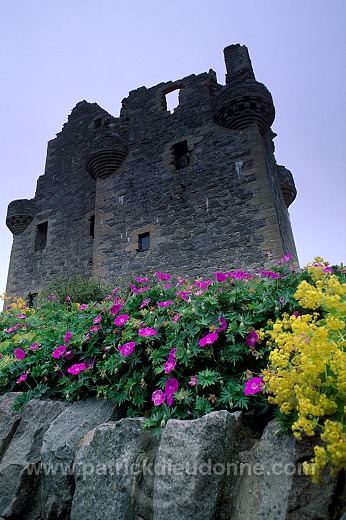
x=81, y=461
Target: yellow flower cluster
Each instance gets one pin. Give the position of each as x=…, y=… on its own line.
x=307, y=372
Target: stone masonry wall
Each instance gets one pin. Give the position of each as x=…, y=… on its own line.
x=201, y=183
x=81, y=461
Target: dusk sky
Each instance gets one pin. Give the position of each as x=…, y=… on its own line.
x=57, y=53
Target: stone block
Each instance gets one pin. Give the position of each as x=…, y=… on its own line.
x=58, y=453
x=20, y=464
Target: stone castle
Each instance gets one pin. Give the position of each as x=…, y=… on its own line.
x=189, y=191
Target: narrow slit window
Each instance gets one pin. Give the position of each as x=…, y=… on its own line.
x=41, y=236
x=172, y=100
x=181, y=155
x=143, y=241
x=92, y=226
x=32, y=300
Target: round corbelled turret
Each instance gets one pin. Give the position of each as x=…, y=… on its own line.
x=286, y=184
x=107, y=152
x=239, y=104
x=20, y=214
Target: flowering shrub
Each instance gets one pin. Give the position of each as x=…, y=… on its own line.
x=307, y=372
x=159, y=348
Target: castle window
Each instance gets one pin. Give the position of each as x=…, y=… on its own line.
x=98, y=122
x=144, y=241
x=41, y=236
x=172, y=99
x=181, y=155
x=32, y=300
x=92, y=226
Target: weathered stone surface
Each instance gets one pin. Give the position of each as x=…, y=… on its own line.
x=193, y=464
x=113, y=473
x=9, y=420
x=272, y=485
x=63, y=462
x=19, y=467
x=58, y=452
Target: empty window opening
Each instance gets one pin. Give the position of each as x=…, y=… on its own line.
x=32, y=300
x=98, y=122
x=181, y=155
x=144, y=241
x=92, y=226
x=172, y=100
x=41, y=236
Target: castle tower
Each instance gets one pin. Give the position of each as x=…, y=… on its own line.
x=187, y=192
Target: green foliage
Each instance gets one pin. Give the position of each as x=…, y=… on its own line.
x=79, y=318
x=78, y=289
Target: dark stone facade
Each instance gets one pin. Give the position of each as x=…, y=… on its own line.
x=190, y=192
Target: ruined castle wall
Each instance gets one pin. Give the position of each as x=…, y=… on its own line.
x=64, y=202
x=218, y=212
x=189, y=192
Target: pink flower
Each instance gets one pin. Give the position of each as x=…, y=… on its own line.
x=327, y=269
x=116, y=308
x=296, y=314
x=12, y=329
x=51, y=297
x=21, y=378
x=133, y=288
x=59, y=351
x=162, y=276
x=126, y=349
x=34, y=346
x=158, y=397
x=193, y=380
x=172, y=353
x=183, y=294
x=121, y=319
x=252, y=338
x=21, y=316
x=209, y=339
x=220, y=277
x=94, y=328
x=97, y=319
x=75, y=369
x=165, y=304
x=68, y=336
x=171, y=387
x=144, y=303
x=19, y=353
x=240, y=275
x=223, y=324
x=253, y=386
x=203, y=285
x=169, y=365
x=142, y=289
x=285, y=259
x=68, y=355
x=83, y=307
x=167, y=285
x=169, y=400
x=181, y=281
x=269, y=274
x=148, y=331
x=282, y=301
x=142, y=280
x=176, y=318
x=67, y=299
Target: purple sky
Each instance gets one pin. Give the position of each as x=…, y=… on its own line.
x=54, y=54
